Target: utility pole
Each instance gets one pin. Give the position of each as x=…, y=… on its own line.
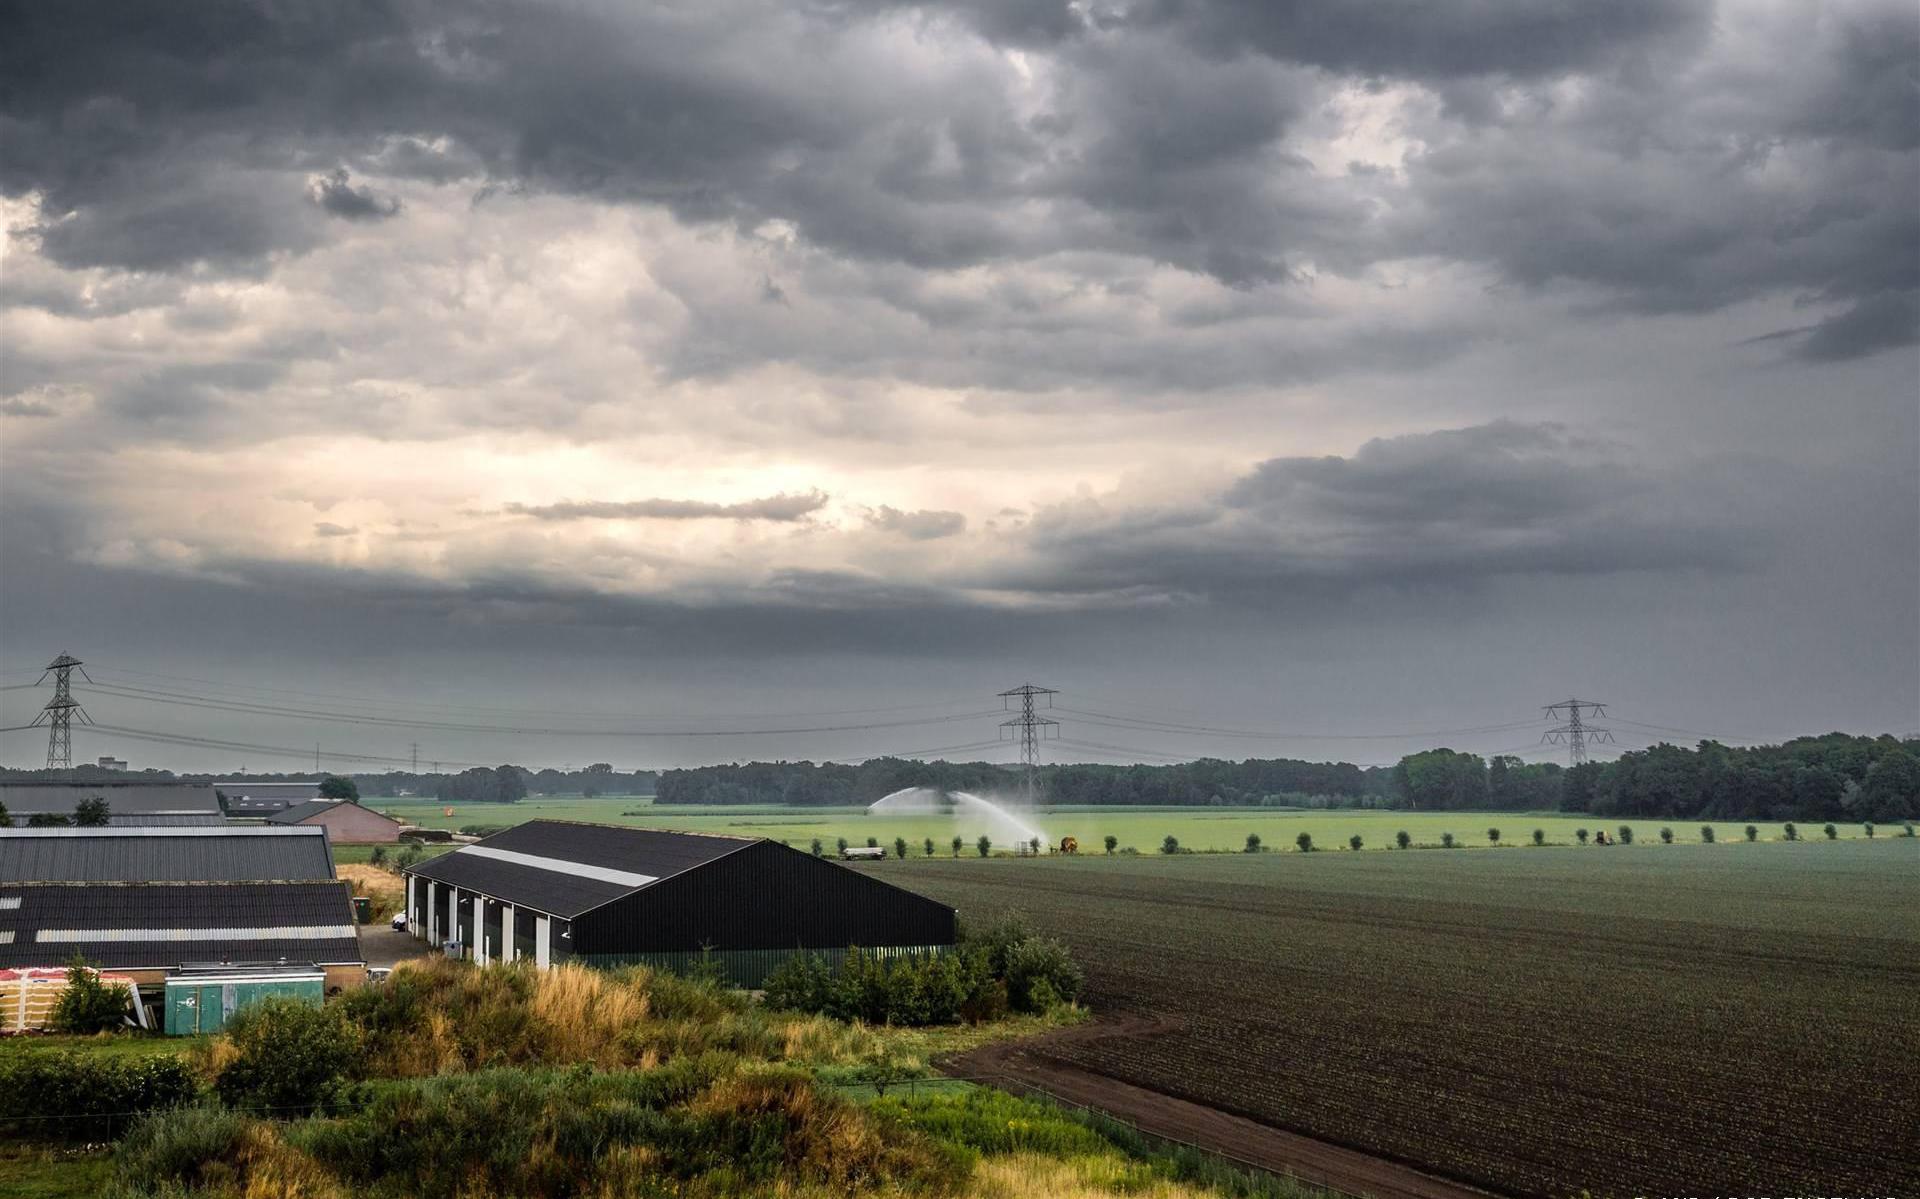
x=1030, y=730
x=60, y=709
x=1573, y=731
x=416, y=757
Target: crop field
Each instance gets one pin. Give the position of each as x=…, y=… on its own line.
x=1144, y=829
x=1630, y=1020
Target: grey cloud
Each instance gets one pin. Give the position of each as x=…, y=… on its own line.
x=326, y=528
x=1885, y=321
x=335, y=193
x=22, y=406
x=925, y=525
x=782, y=507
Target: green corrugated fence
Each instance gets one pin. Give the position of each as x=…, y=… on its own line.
x=743, y=967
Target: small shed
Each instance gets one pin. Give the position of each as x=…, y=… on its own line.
x=201, y=999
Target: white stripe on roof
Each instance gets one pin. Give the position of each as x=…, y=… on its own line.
x=172, y=830
x=302, y=932
x=625, y=878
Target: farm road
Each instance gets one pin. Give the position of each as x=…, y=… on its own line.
x=1027, y=1065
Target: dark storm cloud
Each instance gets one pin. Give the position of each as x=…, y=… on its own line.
x=782, y=507
x=925, y=525
x=1451, y=508
x=326, y=528
x=1881, y=322
x=1162, y=130
x=335, y=193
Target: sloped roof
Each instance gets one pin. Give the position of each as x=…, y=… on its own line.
x=122, y=925
x=131, y=804
x=230, y=853
x=292, y=792
x=564, y=868
x=316, y=807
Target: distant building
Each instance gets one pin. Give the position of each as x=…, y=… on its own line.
x=346, y=823
x=248, y=798
x=128, y=804
x=230, y=853
x=555, y=891
x=109, y=762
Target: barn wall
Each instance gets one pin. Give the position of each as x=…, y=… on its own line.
x=766, y=896
x=351, y=824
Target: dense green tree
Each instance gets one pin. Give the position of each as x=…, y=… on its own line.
x=336, y=787
x=1253, y=843
x=1111, y=842
x=92, y=813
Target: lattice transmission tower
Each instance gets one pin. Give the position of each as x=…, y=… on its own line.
x=1573, y=731
x=1030, y=729
x=60, y=710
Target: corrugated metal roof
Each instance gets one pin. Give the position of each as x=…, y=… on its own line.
x=226, y=854
x=563, y=868
x=290, y=792
x=124, y=925
x=127, y=803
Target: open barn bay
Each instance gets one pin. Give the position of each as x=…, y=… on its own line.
x=1621, y=1020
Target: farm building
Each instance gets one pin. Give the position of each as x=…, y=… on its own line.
x=346, y=823
x=147, y=805
x=553, y=891
x=264, y=799
x=230, y=853
x=152, y=931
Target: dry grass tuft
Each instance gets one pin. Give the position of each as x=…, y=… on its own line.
x=585, y=1015
x=1023, y=1175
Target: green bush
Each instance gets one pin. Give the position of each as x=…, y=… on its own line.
x=1111, y=841
x=1831, y=832
x=62, y=1093
x=1706, y=833
x=958, y=844
x=929, y=846
x=1305, y=842
x=1753, y=834
x=1493, y=836
x=1666, y=836
x=900, y=847
x=180, y=1147
x=818, y=848
x=1626, y=834
x=1041, y=974
x=1253, y=843
x=89, y=1005
x=1170, y=845
x=1869, y=830
x=1790, y=832
x=1446, y=840
x=984, y=845
x=1580, y=835
x=840, y=844
x=1403, y=838
x=288, y=1055
x=1355, y=842
x=1539, y=836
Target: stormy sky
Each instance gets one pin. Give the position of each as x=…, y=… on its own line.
x=1324, y=370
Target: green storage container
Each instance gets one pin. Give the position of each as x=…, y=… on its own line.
x=203, y=1001
x=363, y=909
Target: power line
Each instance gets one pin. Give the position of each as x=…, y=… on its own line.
x=1147, y=725
x=1573, y=731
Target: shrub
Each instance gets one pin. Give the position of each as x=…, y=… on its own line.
x=900, y=847
x=181, y=1147
x=1355, y=842
x=957, y=843
x=929, y=846
x=48, y=820
x=286, y=1055
x=1539, y=836
x=79, y=1095
x=1831, y=832
x=1040, y=975
x=1580, y=835
x=873, y=843
x=1111, y=841
x=1868, y=828
x=6, y=821
x=484, y=830
x=841, y=845
x=1493, y=836
x=1305, y=842
x=1170, y=845
x=802, y=983
x=1446, y=840
x=1753, y=834
x=1790, y=833
x=378, y=857
x=819, y=849
x=1403, y=838
x=1908, y=827
x=1253, y=843
x=1666, y=836
x=92, y=813
x=88, y=1005
x=1706, y=833
x=1626, y=834
x=984, y=845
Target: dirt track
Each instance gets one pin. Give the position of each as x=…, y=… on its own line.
x=1027, y=1065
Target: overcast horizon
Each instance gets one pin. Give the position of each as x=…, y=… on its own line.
x=1334, y=370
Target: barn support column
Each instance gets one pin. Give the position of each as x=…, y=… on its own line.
x=480, y=929
x=542, y=941
x=507, y=930
x=433, y=912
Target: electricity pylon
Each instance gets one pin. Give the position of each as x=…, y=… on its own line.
x=1030, y=729
x=60, y=709
x=1573, y=731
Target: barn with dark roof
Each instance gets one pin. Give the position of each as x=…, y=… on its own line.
x=129, y=805
x=553, y=891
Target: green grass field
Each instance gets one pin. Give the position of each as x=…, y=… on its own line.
x=1200, y=829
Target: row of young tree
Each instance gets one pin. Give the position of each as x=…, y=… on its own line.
x=1834, y=777
x=92, y=812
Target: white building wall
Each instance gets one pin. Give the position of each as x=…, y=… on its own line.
x=507, y=947
x=480, y=929
x=542, y=941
